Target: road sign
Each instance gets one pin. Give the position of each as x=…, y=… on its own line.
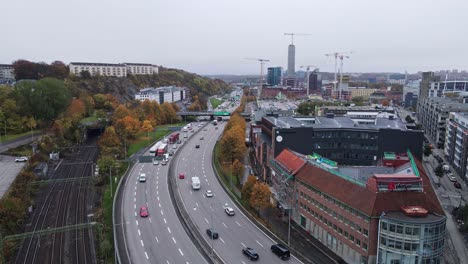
x=221, y=113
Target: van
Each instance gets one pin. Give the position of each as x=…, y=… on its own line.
x=281, y=251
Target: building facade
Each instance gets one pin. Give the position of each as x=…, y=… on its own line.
x=102, y=69
x=315, y=82
x=433, y=113
x=167, y=94
x=456, y=143
x=361, y=92
x=378, y=214
x=274, y=75
x=141, y=68
x=7, y=72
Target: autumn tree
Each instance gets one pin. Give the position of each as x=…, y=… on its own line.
x=109, y=142
x=238, y=170
x=127, y=127
x=248, y=187
x=76, y=110
x=233, y=144
x=120, y=112
x=260, y=196
x=147, y=127
x=169, y=113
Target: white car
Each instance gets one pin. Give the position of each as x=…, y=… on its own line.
x=452, y=178
x=209, y=193
x=229, y=211
x=155, y=162
x=142, y=177
x=21, y=159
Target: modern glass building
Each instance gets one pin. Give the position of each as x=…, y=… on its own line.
x=274, y=75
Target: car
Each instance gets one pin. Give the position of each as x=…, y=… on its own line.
x=216, y=128
x=181, y=175
x=457, y=185
x=21, y=159
x=281, y=251
x=171, y=153
x=201, y=138
x=144, y=211
x=142, y=177
x=229, y=211
x=209, y=193
x=164, y=162
x=451, y=177
x=205, y=129
x=197, y=146
x=212, y=233
x=155, y=162
x=250, y=253
x=174, y=146
x=179, y=141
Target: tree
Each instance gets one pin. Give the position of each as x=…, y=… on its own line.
x=238, y=170
x=147, y=127
x=358, y=100
x=127, y=127
x=260, y=196
x=408, y=119
x=427, y=150
x=110, y=143
x=233, y=144
x=120, y=112
x=76, y=110
x=439, y=171
x=248, y=187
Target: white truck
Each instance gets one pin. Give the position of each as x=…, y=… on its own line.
x=195, y=183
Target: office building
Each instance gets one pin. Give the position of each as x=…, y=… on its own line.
x=167, y=94
x=274, y=75
x=315, y=82
x=385, y=214
x=433, y=114
x=456, y=143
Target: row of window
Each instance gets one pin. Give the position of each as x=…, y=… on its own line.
x=345, y=134
x=337, y=229
x=334, y=201
x=334, y=214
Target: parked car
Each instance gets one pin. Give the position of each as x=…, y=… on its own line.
x=457, y=185
x=250, y=253
x=181, y=175
x=144, y=211
x=212, y=233
x=451, y=177
x=21, y=159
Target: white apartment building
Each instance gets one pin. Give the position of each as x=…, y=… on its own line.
x=103, y=69
x=166, y=94
x=141, y=68
x=456, y=143
x=7, y=72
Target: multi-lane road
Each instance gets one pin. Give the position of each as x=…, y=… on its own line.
x=161, y=238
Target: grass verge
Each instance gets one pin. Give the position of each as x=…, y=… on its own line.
x=215, y=102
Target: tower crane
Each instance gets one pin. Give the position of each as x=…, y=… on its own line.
x=262, y=62
x=296, y=34
x=339, y=56
x=308, y=67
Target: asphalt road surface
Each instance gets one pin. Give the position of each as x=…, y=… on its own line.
x=235, y=232
x=160, y=237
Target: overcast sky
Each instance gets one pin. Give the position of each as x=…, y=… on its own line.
x=215, y=36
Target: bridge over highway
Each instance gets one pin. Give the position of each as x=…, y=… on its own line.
x=211, y=114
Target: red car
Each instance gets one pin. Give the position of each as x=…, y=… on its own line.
x=144, y=211
x=181, y=175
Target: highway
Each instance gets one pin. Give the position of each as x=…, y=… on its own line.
x=159, y=238
x=235, y=232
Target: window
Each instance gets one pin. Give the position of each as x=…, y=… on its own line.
x=340, y=230
x=358, y=242
x=364, y=246
x=366, y=232
x=346, y=234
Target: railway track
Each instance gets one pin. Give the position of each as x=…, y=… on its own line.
x=63, y=204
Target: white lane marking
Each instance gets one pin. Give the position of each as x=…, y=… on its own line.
x=135, y=187
x=162, y=212
x=159, y=205
x=146, y=254
x=196, y=204
x=157, y=240
x=238, y=223
x=158, y=198
x=165, y=220
x=150, y=220
x=137, y=222
x=243, y=244
x=139, y=233
x=180, y=251
x=167, y=261
x=134, y=199
x=142, y=244
x=243, y=262
x=134, y=206
x=208, y=183
x=259, y=243
x=157, y=192
x=168, y=229
x=135, y=214
x=206, y=220
x=222, y=240
x=135, y=193
x=173, y=239
x=191, y=192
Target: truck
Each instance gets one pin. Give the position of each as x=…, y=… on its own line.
x=155, y=147
x=161, y=150
x=173, y=138
x=195, y=183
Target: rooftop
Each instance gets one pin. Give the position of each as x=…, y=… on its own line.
x=97, y=64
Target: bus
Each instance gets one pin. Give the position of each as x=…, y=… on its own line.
x=154, y=148
x=162, y=149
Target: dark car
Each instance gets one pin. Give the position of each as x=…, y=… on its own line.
x=457, y=185
x=212, y=233
x=197, y=146
x=250, y=253
x=171, y=153
x=281, y=251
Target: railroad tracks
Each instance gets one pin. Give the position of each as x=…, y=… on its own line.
x=63, y=203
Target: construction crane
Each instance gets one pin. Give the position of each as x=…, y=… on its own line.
x=308, y=67
x=262, y=62
x=296, y=34
x=339, y=56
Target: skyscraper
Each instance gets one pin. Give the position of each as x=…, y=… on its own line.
x=315, y=82
x=291, y=60
x=274, y=75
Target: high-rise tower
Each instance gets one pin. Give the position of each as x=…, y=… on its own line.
x=291, y=60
